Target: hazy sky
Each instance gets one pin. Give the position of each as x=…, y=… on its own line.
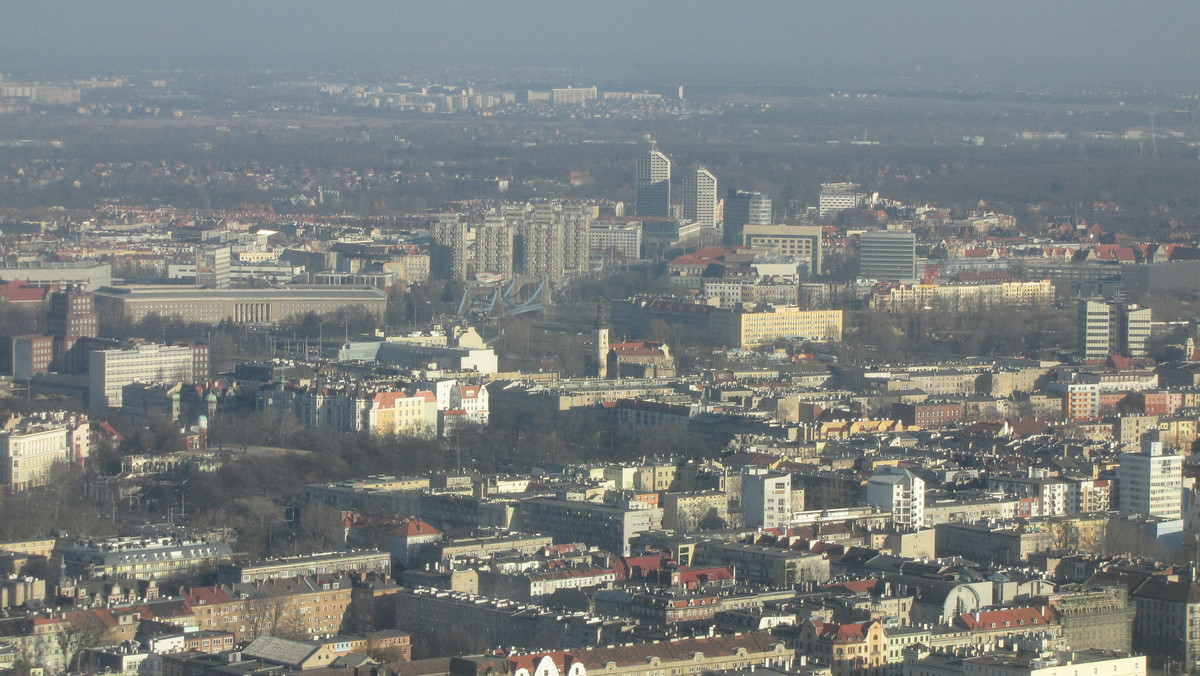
x=1092, y=40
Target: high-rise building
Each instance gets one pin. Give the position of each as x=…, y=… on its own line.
x=900, y=492
x=744, y=208
x=766, y=498
x=494, y=247
x=576, y=225
x=72, y=315
x=1150, y=482
x=542, y=242
x=213, y=267
x=449, y=251
x=700, y=197
x=888, y=256
x=653, y=182
x=1108, y=328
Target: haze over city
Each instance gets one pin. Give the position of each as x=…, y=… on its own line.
x=640, y=339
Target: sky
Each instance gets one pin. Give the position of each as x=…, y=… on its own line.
x=1090, y=41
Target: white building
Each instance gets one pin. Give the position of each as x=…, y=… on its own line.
x=615, y=239
x=652, y=178
x=1150, y=483
x=700, y=197
x=766, y=498
x=836, y=197
x=29, y=447
x=902, y=493
x=111, y=370
x=1062, y=663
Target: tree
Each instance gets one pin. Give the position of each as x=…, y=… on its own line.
x=84, y=630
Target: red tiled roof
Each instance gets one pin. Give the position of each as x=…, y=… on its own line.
x=1010, y=618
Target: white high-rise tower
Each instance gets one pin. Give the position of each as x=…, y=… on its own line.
x=653, y=181
x=700, y=198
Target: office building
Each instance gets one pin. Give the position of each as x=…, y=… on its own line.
x=86, y=275
x=111, y=370
x=700, y=198
x=801, y=241
x=766, y=498
x=615, y=240
x=888, y=256
x=900, y=492
x=448, y=255
x=30, y=355
x=652, y=179
x=743, y=208
x=71, y=316
x=570, y=96
x=1150, y=482
x=1112, y=328
x=837, y=197
x=240, y=306
x=752, y=326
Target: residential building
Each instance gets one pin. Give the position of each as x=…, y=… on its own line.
x=609, y=527
x=141, y=558
x=686, y=656
x=1100, y=618
x=701, y=510
x=766, y=498
x=448, y=255
x=1150, y=482
x=900, y=492
x=659, y=609
x=385, y=412
x=494, y=247
x=429, y=613
x=652, y=179
x=330, y=563
x=31, y=446
x=543, y=242
x=850, y=649
x=310, y=605
x=758, y=564
x=1167, y=623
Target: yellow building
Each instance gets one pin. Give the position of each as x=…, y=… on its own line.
x=1178, y=432
x=850, y=649
x=749, y=328
x=961, y=297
